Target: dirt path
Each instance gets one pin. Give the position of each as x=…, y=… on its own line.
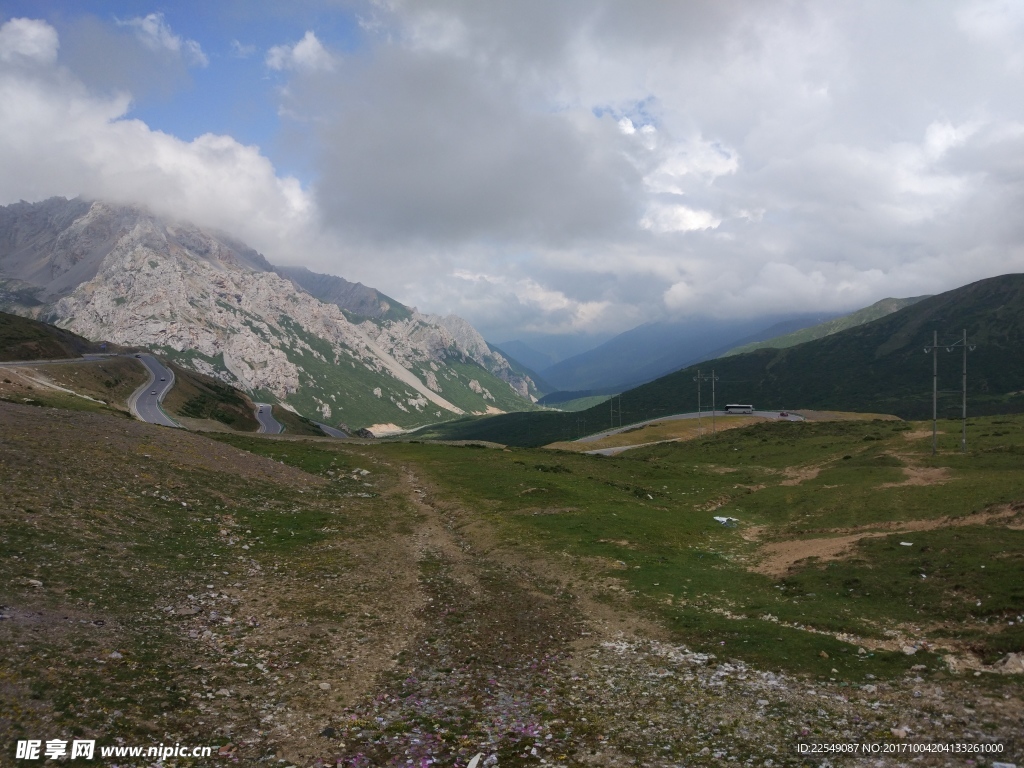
x=778, y=557
x=528, y=658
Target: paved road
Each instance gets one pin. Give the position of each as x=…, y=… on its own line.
x=331, y=431
x=145, y=401
x=265, y=416
x=678, y=416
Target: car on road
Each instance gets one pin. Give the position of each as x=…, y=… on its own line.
x=162, y=379
x=782, y=414
x=153, y=392
x=138, y=355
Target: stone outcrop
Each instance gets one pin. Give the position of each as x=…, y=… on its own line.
x=211, y=303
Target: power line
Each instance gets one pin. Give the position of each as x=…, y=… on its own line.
x=934, y=349
x=700, y=378
x=967, y=348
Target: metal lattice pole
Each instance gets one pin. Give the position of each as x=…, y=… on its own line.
x=714, y=430
x=966, y=348
x=934, y=349
x=698, y=378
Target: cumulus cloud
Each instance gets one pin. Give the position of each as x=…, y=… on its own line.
x=60, y=138
x=28, y=41
x=307, y=55
x=663, y=218
x=155, y=33
x=677, y=158
x=591, y=162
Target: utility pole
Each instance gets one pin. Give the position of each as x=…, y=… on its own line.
x=934, y=349
x=700, y=427
x=966, y=348
x=714, y=378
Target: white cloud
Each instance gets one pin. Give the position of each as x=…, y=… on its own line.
x=307, y=55
x=588, y=161
x=542, y=308
x=28, y=40
x=156, y=34
x=662, y=218
x=58, y=138
x=242, y=51
x=997, y=24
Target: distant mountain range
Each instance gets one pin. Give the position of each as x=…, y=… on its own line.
x=651, y=350
x=827, y=328
x=878, y=367
x=332, y=350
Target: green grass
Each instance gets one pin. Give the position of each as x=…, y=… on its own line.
x=649, y=515
x=115, y=535
x=580, y=403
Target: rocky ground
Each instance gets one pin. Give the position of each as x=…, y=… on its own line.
x=404, y=630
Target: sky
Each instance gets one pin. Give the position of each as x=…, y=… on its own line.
x=539, y=168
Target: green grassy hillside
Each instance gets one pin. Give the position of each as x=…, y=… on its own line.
x=820, y=331
x=315, y=602
x=877, y=367
x=25, y=339
x=203, y=397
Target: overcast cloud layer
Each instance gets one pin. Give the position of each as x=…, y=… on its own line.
x=572, y=166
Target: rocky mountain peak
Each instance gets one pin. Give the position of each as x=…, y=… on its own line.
x=213, y=304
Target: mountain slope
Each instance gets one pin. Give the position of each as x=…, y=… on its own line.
x=214, y=305
x=22, y=338
x=353, y=297
x=876, y=367
x=652, y=350
x=827, y=328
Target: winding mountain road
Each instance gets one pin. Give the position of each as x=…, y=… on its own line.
x=265, y=416
x=331, y=431
x=145, y=401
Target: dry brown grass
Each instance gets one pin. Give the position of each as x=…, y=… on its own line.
x=663, y=431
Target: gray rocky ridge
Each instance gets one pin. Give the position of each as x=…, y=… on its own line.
x=121, y=274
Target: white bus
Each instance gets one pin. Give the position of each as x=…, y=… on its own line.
x=734, y=408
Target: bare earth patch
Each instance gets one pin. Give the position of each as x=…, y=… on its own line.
x=797, y=475
x=919, y=434
x=845, y=416
x=779, y=557
x=921, y=476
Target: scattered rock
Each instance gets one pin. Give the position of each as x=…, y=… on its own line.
x=1012, y=663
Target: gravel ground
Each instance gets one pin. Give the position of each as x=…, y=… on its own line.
x=513, y=666
x=410, y=634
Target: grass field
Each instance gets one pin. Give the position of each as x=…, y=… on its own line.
x=649, y=514
x=196, y=396
x=324, y=602
x=101, y=387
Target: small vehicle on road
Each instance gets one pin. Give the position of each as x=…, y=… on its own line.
x=162, y=379
x=153, y=392
x=782, y=414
